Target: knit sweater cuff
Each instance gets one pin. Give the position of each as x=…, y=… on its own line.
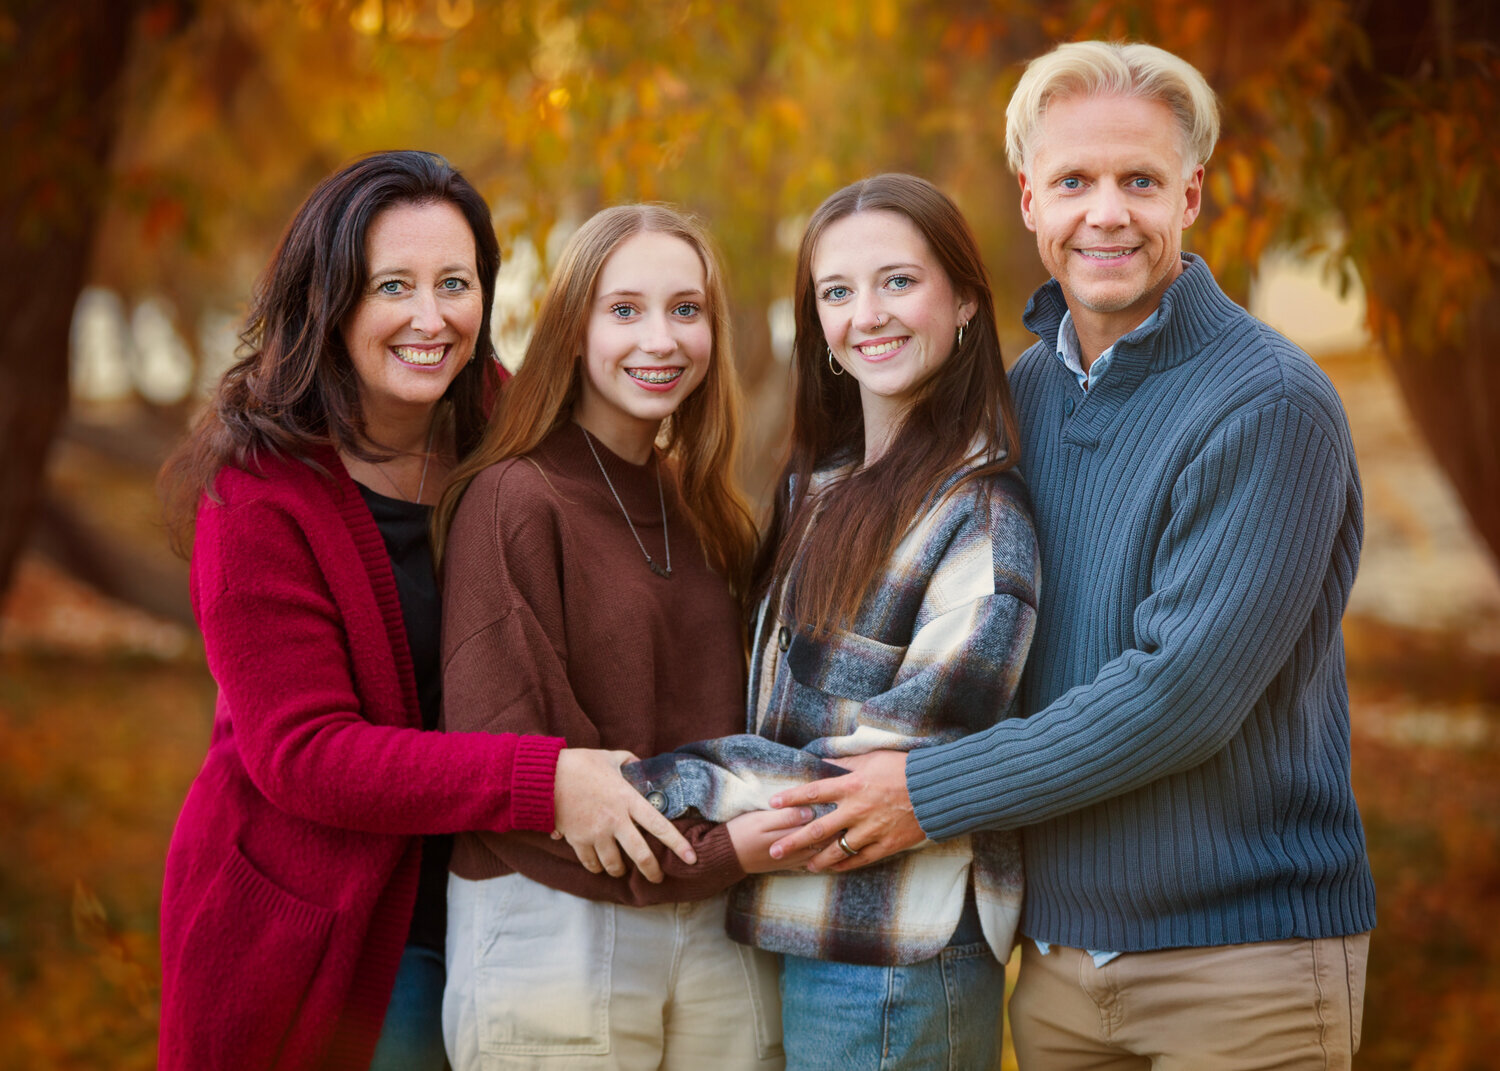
x=533, y=778
x=928, y=771
x=716, y=856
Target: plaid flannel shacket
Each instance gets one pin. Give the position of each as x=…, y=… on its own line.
x=936, y=653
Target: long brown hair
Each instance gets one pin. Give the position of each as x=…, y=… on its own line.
x=701, y=437
x=294, y=389
x=862, y=516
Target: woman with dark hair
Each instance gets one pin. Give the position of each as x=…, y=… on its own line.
x=302, y=907
x=896, y=595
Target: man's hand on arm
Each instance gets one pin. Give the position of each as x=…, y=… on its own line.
x=872, y=812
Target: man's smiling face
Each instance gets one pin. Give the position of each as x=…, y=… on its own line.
x=1104, y=191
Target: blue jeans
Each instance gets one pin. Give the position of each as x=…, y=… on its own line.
x=944, y=1012
x=412, y=1037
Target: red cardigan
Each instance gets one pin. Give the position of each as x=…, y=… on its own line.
x=293, y=868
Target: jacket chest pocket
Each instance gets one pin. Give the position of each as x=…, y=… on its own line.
x=829, y=681
x=843, y=664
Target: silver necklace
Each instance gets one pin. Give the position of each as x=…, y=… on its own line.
x=665, y=574
x=426, y=460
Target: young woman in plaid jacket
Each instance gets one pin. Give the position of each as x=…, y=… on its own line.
x=895, y=597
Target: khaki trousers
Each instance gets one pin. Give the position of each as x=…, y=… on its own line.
x=1286, y=1005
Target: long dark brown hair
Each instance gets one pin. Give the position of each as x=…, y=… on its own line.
x=294, y=388
x=701, y=437
x=862, y=516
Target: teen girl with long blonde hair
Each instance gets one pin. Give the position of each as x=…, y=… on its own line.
x=595, y=550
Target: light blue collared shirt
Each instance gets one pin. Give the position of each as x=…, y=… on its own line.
x=1070, y=353
x=1099, y=958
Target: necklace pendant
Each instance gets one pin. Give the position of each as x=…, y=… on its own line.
x=666, y=537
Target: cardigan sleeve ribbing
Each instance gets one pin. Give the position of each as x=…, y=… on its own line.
x=1235, y=575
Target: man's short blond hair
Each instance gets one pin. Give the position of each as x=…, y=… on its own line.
x=1106, y=69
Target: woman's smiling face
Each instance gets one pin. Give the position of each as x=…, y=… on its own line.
x=418, y=321
x=889, y=312
x=649, y=340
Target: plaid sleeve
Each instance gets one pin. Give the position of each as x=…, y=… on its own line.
x=726, y=777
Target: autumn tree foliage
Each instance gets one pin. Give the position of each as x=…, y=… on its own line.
x=1353, y=130
x=1412, y=171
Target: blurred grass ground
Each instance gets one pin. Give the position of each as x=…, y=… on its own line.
x=105, y=713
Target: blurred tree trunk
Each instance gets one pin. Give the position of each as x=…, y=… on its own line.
x=1453, y=394
x=60, y=69
x=1441, y=342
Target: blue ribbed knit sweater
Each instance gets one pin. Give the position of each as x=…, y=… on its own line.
x=1180, y=771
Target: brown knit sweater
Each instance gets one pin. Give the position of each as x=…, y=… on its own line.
x=554, y=624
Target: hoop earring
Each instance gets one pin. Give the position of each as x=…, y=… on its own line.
x=832, y=366
x=961, y=333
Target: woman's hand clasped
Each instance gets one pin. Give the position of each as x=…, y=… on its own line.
x=600, y=814
x=753, y=833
